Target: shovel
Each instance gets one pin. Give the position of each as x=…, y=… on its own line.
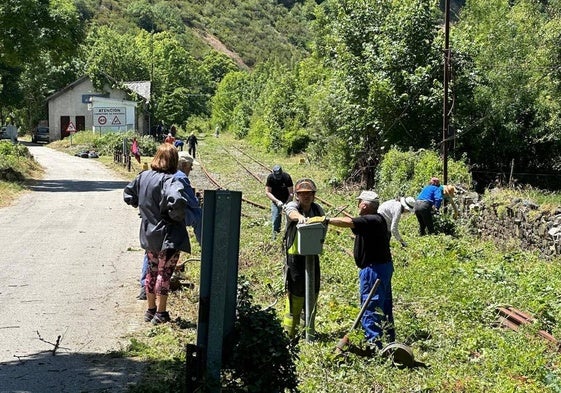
x=345, y=340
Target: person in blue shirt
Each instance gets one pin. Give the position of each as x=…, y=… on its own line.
x=427, y=203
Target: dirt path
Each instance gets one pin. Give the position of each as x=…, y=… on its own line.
x=68, y=274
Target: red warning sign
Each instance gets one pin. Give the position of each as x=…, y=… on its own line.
x=116, y=121
x=70, y=127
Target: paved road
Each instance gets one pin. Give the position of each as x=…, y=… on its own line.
x=67, y=274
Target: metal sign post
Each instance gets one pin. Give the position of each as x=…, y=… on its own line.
x=219, y=281
x=310, y=298
x=310, y=243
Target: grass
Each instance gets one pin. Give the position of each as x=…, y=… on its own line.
x=16, y=165
x=446, y=293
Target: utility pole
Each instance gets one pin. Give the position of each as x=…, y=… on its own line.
x=446, y=104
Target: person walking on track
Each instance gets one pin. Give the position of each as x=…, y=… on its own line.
x=280, y=190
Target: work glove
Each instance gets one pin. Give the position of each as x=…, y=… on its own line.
x=301, y=220
x=280, y=204
x=316, y=219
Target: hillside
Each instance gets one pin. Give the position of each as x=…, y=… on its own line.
x=249, y=31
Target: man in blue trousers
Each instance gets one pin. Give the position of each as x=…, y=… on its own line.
x=373, y=257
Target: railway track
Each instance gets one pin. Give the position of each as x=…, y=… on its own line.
x=514, y=319
x=269, y=170
x=257, y=176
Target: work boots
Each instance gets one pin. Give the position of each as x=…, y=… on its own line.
x=293, y=309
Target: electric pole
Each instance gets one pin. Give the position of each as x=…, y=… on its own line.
x=446, y=104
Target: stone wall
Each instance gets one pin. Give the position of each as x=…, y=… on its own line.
x=517, y=222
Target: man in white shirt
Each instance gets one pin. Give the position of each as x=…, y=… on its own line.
x=391, y=211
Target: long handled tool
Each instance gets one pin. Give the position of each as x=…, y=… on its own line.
x=345, y=340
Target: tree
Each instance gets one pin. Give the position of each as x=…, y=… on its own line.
x=107, y=52
x=514, y=54
x=386, y=66
x=37, y=35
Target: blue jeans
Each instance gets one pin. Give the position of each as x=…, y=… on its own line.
x=374, y=322
x=144, y=270
x=276, y=218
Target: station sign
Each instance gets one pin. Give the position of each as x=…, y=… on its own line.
x=109, y=116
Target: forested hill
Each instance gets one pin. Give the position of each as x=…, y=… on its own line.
x=252, y=31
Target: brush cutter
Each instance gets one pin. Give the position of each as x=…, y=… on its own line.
x=345, y=340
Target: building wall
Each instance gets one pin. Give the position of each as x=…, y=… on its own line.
x=73, y=103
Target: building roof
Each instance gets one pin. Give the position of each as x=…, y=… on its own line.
x=68, y=87
x=142, y=88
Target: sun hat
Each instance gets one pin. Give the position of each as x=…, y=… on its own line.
x=305, y=185
x=408, y=203
x=368, y=196
x=449, y=190
x=184, y=156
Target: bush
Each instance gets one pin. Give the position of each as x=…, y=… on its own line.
x=262, y=357
x=406, y=173
x=15, y=162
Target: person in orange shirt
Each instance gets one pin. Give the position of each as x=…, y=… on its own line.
x=170, y=139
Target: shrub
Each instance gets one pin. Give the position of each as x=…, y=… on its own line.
x=406, y=173
x=262, y=358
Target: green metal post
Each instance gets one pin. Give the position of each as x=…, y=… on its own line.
x=310, y=298
x=219, y=279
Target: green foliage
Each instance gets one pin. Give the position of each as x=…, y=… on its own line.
x=29, y=27
x=513, y=110
x=405, y=173
x=198, y=125
x=230, y=110
x=262, y=357
x=16, y=163
x=38, y=52
x=445, y=224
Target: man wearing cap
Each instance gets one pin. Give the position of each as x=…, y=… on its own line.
x=392, y=210
x=279, y=189
x=427, y=203
x=298, y=212
x=372, y=255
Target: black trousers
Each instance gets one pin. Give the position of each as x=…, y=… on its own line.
x=423, y=211
x=296, y=274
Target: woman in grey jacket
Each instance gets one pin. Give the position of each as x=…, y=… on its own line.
x=161, y=201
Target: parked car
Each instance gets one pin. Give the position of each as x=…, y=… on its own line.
x=41, y=134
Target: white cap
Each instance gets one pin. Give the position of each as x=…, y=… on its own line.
x=368, y=196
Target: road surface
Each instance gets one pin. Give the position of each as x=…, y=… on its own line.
x=70, y=262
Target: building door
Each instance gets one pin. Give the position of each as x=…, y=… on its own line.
x=64, y=122
x=80, y=123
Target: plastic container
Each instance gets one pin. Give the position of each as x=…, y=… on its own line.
x=310, y=238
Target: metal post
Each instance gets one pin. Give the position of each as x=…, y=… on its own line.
x=310, y=297
x=446, y=106
x=219, y=278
